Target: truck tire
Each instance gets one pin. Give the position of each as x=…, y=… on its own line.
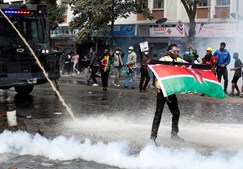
x=24, y=90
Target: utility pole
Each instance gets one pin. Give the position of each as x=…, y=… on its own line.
x=112, y=24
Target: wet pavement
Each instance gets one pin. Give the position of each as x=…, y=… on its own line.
x=118, y=115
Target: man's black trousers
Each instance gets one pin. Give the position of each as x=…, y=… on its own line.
x=174, y=109
x=223, y=72
x=144, y=75
x=104, y=78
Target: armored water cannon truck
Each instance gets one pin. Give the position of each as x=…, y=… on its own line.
x=18, y=67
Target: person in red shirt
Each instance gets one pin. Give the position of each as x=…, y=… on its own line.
x=210, y=59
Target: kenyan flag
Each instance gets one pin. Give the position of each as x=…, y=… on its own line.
x=175, y=79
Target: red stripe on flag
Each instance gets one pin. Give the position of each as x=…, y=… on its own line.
x=167, y=70
x=208, y=74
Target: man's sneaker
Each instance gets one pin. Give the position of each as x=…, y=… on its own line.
x=152, y=139
x=241, y=94
x=114, y=83
x=95, y=85
x=177, y=138
x=144, y=90
x=78, y=72
x=202, y=94
x=125, y=86
x=152, y=86
x=132, y=87
x=118, y=85
x=104, y=89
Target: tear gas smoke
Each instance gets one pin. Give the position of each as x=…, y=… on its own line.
x=116, y=153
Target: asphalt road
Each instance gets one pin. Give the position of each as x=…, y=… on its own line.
x=108, y=118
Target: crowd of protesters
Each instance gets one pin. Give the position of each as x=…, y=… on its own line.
x=108, y=61
x=101, y=65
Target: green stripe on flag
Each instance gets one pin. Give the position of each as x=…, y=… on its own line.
x=210, y=88
x=178, y=84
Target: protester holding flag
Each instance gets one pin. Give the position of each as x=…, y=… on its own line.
x=106, y=61
x=223, y=59
x=171, y=100
x=132, y=66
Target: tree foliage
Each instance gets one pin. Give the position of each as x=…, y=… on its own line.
x=93, y=18
x=191, y=9
x=55, y=13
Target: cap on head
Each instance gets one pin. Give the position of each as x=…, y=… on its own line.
x=130, y=48
x=209, y=49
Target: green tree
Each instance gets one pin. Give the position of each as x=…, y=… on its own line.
x=93, y=18
x=55, y=13
x=191, y=9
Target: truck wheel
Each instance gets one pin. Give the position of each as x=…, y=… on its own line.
x=24, y=90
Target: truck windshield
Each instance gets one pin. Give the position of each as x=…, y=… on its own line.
x=33, y=29
x=6, y=30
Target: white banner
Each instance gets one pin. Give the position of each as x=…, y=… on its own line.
x=177, y=31
x=144, y=46
x=219, y=30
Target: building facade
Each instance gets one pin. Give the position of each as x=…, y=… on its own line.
x=216, y=19
x=63, y=38
x=219, y=20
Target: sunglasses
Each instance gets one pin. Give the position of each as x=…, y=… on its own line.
x=175, y=51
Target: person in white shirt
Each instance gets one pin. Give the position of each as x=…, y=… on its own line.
x=75, y=63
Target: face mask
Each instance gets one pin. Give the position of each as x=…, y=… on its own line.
x=129, y=51
x=187, y=52
x=146, y=53
x=117, y=52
